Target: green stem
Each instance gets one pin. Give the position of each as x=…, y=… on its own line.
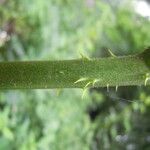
x=78, y=73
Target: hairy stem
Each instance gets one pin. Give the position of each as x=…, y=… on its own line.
x=78, y=73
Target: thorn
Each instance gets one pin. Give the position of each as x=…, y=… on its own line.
x=84, y=92
x=84, y=56
x=146, y=81
x=80, y=80
x=111, y=53
x=87, y=84
x=85, y=89
x=116, y=88
x=95, y=80
x=147, y=78
x=107, y=87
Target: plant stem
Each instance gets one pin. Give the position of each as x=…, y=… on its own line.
x=78, y=73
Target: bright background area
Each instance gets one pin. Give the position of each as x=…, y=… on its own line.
x=60, y=29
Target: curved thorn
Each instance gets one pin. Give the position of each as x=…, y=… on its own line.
x=85, y=89
x=80, y=80
x=111, y=53
x=95, y=81
x=87, y=84
x=84, y=92
x=147, y=78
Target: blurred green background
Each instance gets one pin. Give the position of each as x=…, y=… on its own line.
x=61, y=29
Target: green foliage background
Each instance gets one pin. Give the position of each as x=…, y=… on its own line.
x=60, y=29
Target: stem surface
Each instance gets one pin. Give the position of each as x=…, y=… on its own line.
x=78, y=73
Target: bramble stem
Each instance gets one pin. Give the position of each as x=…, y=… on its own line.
x=78, y=73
